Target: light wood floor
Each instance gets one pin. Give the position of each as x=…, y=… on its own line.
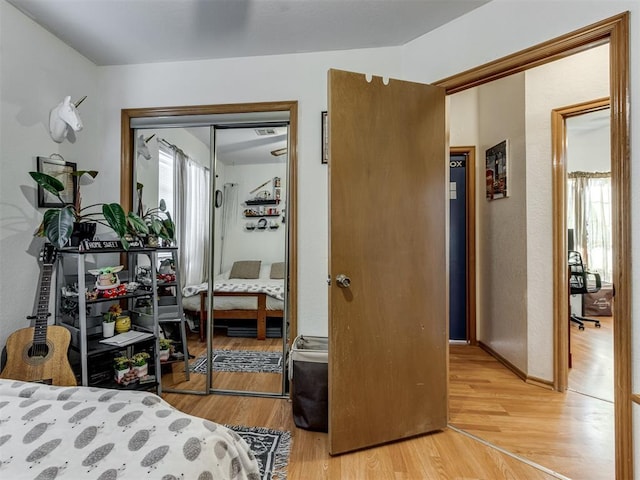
x=270, y=383
x=567, y=433
x=592, y=359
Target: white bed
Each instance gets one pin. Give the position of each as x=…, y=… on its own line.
x=52, y=432
x=221, y=302
x=239, y=298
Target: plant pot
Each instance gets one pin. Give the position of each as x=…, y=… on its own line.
x=151, y=241
x=120, y=374
x=141, y=370
x=164, y=354
x=108, y=329
x=123, y=324
x=82, y=231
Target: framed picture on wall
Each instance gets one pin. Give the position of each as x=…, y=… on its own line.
x=63, y=171
x=325, y=138
x=497, y=171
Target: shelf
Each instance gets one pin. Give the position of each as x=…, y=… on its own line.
x=112, y=384
x=95, y=347
x=171, y=361
x=264, y=215
x=262, y=202
x=94, y=358
x=138, y=293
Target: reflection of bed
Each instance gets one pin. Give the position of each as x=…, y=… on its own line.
x=93, y=433
x=239, y=298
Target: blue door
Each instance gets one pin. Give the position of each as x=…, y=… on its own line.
x=458, y=248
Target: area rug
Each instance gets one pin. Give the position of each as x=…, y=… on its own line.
x=271, y=448
x=240, y=361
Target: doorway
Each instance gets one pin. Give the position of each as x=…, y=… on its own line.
x=583, y=138
x=462, y=245
x=615, y=31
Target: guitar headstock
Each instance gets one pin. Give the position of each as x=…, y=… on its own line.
x=48, y=254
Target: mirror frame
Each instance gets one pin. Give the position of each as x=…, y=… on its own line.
x=127, y=162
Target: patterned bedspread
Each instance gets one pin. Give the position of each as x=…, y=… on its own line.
x=271, y=289
x=73, y=433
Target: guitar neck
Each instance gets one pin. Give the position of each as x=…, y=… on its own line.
x=42, y=315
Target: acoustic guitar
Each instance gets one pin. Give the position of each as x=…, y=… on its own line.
x=39, y=353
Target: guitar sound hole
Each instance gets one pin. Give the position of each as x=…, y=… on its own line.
x=38, y=351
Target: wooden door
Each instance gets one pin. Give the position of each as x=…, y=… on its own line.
x=388, y=328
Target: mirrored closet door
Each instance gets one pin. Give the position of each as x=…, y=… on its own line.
x=224, y=294
x=250, y=246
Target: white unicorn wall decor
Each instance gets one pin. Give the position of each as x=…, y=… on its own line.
x=142, y=148
x=64, y=120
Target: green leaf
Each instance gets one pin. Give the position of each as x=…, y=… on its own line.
x=137, y=224
x=58, y=225
x=169, y=228
x=116, y=218
x=49, y=183
x=156, y=226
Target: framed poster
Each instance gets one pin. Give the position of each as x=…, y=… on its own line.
x=325, y=138
x=63, y=171
x=497, y=171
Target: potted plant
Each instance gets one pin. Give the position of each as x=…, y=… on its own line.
x=109, y=320
x=158, y=223
x=122, y=366
x=165, y=349
x=139, y=361
x=58, y=223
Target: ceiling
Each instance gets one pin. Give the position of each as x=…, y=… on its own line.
x=119, y=32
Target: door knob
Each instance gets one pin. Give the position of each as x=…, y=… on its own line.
x=343, y=281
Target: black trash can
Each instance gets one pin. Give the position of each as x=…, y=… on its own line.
x=308, y=371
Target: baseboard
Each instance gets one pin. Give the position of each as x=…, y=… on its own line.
x=503, y=360
x=539, y=382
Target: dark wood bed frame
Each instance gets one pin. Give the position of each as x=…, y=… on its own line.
x=260, y=315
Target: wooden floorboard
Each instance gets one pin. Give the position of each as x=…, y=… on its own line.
x=568, y=433
x=592, y=359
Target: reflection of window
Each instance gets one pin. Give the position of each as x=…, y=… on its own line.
x=589, y=214
x=166, y=177
x=184, y=185
x=166, y=186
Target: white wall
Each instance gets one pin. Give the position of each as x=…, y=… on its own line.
x=589, y=150
x=241, y=244
x=37, y=71
x=575, y=79
x=501, y=227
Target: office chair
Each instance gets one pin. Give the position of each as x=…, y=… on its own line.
x=581, y=281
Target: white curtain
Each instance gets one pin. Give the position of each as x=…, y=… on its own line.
x=191, y=207
x=229, y=216
x=589, y=214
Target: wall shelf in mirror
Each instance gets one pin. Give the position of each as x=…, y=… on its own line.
x=262, y=202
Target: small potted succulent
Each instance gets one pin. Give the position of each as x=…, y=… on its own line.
x=122, y=367
x=109, y=320
x=165, y=349
x=140, y=364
